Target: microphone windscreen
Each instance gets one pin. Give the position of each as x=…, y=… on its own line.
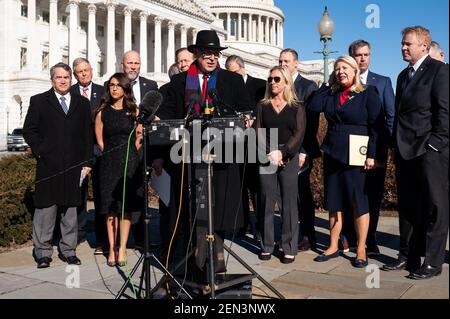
x=150, y=102
x=213, y=93
x=195, y=98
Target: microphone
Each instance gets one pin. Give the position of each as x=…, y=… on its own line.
x=214, y=95
x=149, y=106
x=194, y=99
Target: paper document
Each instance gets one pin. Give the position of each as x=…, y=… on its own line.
x=357, y=149
x=82, y=177
x=161, y=185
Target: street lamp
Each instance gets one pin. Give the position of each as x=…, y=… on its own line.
x=325, y=28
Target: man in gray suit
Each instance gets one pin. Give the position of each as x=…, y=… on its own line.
x=310, y=150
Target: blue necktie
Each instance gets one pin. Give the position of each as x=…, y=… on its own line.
x=409, y=76
x=64, y=105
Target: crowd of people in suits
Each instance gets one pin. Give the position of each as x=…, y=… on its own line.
x=89, y=128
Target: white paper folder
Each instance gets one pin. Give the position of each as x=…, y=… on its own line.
x=357, y=149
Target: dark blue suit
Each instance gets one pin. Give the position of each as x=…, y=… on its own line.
x=360, y=115
x=376, y=177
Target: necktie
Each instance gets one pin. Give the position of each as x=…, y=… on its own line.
x=85, y=89
x=205, y=88
x=409, y=76
x=64, y=105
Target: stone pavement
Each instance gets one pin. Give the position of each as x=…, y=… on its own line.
x=303, y=279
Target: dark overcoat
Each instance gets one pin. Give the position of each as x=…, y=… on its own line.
x=62, y=145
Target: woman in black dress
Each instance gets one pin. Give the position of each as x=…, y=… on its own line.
x=115, y=120
x=281, y=111
x=350, y=109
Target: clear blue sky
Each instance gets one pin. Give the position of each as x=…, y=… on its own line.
x=302, y=17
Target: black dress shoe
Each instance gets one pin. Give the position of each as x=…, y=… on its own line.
x=44, y=262
x=360, y=263
x=373, y=250
x=399, y=264
x=264, y=256
x=71, y=260
x=287, y=260
x=323, y=257
x=306, y=245
x=426, y=272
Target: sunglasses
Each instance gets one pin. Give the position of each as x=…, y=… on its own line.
x=277, y=79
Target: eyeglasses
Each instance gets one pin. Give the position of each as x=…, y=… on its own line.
x=211, y=54
x=113, y=85
x=277, y=79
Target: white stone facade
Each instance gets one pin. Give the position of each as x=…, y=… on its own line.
x=36, y=34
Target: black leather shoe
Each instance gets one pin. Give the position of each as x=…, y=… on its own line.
x=306, y=245
x=44, y=262
x=287, y=260
x=426, y=272
x=71, y=260
x=360, y=263
x=373, y=250
x=399, y=264
x=323, y=257
x=264, y=256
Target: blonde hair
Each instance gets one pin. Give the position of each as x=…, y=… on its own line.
x=357, y=86
x=423, y=34
x=289, y=91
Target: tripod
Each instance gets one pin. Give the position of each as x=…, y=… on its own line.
x=210, y=238
x=147, y=255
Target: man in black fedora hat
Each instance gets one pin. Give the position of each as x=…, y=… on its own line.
x=189, y=91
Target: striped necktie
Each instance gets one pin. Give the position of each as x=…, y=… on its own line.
x=85, y=89
x=64, y=105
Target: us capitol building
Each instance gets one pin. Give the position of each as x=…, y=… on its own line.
x=36, y=34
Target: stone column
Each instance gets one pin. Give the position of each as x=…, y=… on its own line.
x=183, y=30
x=127, y=12
x=239, y=27
x=73, y=30
x=157, y=60
x=54, y=55
x=281, y=35
x=228, y=25
x=170, y=44
x=272, y=31
x=250, y=27
x=267, y=31
x=111, y=38
x=278, y=33
x=92, y=38
x=260, y=29
x=245, y=29
x=143, y=41
x=194, y=35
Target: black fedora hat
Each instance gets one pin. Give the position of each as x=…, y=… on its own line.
x=206, y=39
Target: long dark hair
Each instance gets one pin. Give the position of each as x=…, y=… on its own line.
x=128, y=99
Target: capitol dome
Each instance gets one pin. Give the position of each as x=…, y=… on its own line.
x=254, y=26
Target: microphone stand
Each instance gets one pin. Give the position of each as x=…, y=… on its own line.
x=147, y=255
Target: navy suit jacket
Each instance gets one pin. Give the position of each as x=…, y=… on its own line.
x=146, y=85
x=97, y=93
x=387, y=97
x=422, y=110
x=361, y=114
x=304, y=89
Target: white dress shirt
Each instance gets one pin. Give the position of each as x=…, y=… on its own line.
x=67, y=97
x=136, y=90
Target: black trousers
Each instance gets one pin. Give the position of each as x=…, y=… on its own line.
x=423, y=199
x=100, y=219
x=306, y=205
